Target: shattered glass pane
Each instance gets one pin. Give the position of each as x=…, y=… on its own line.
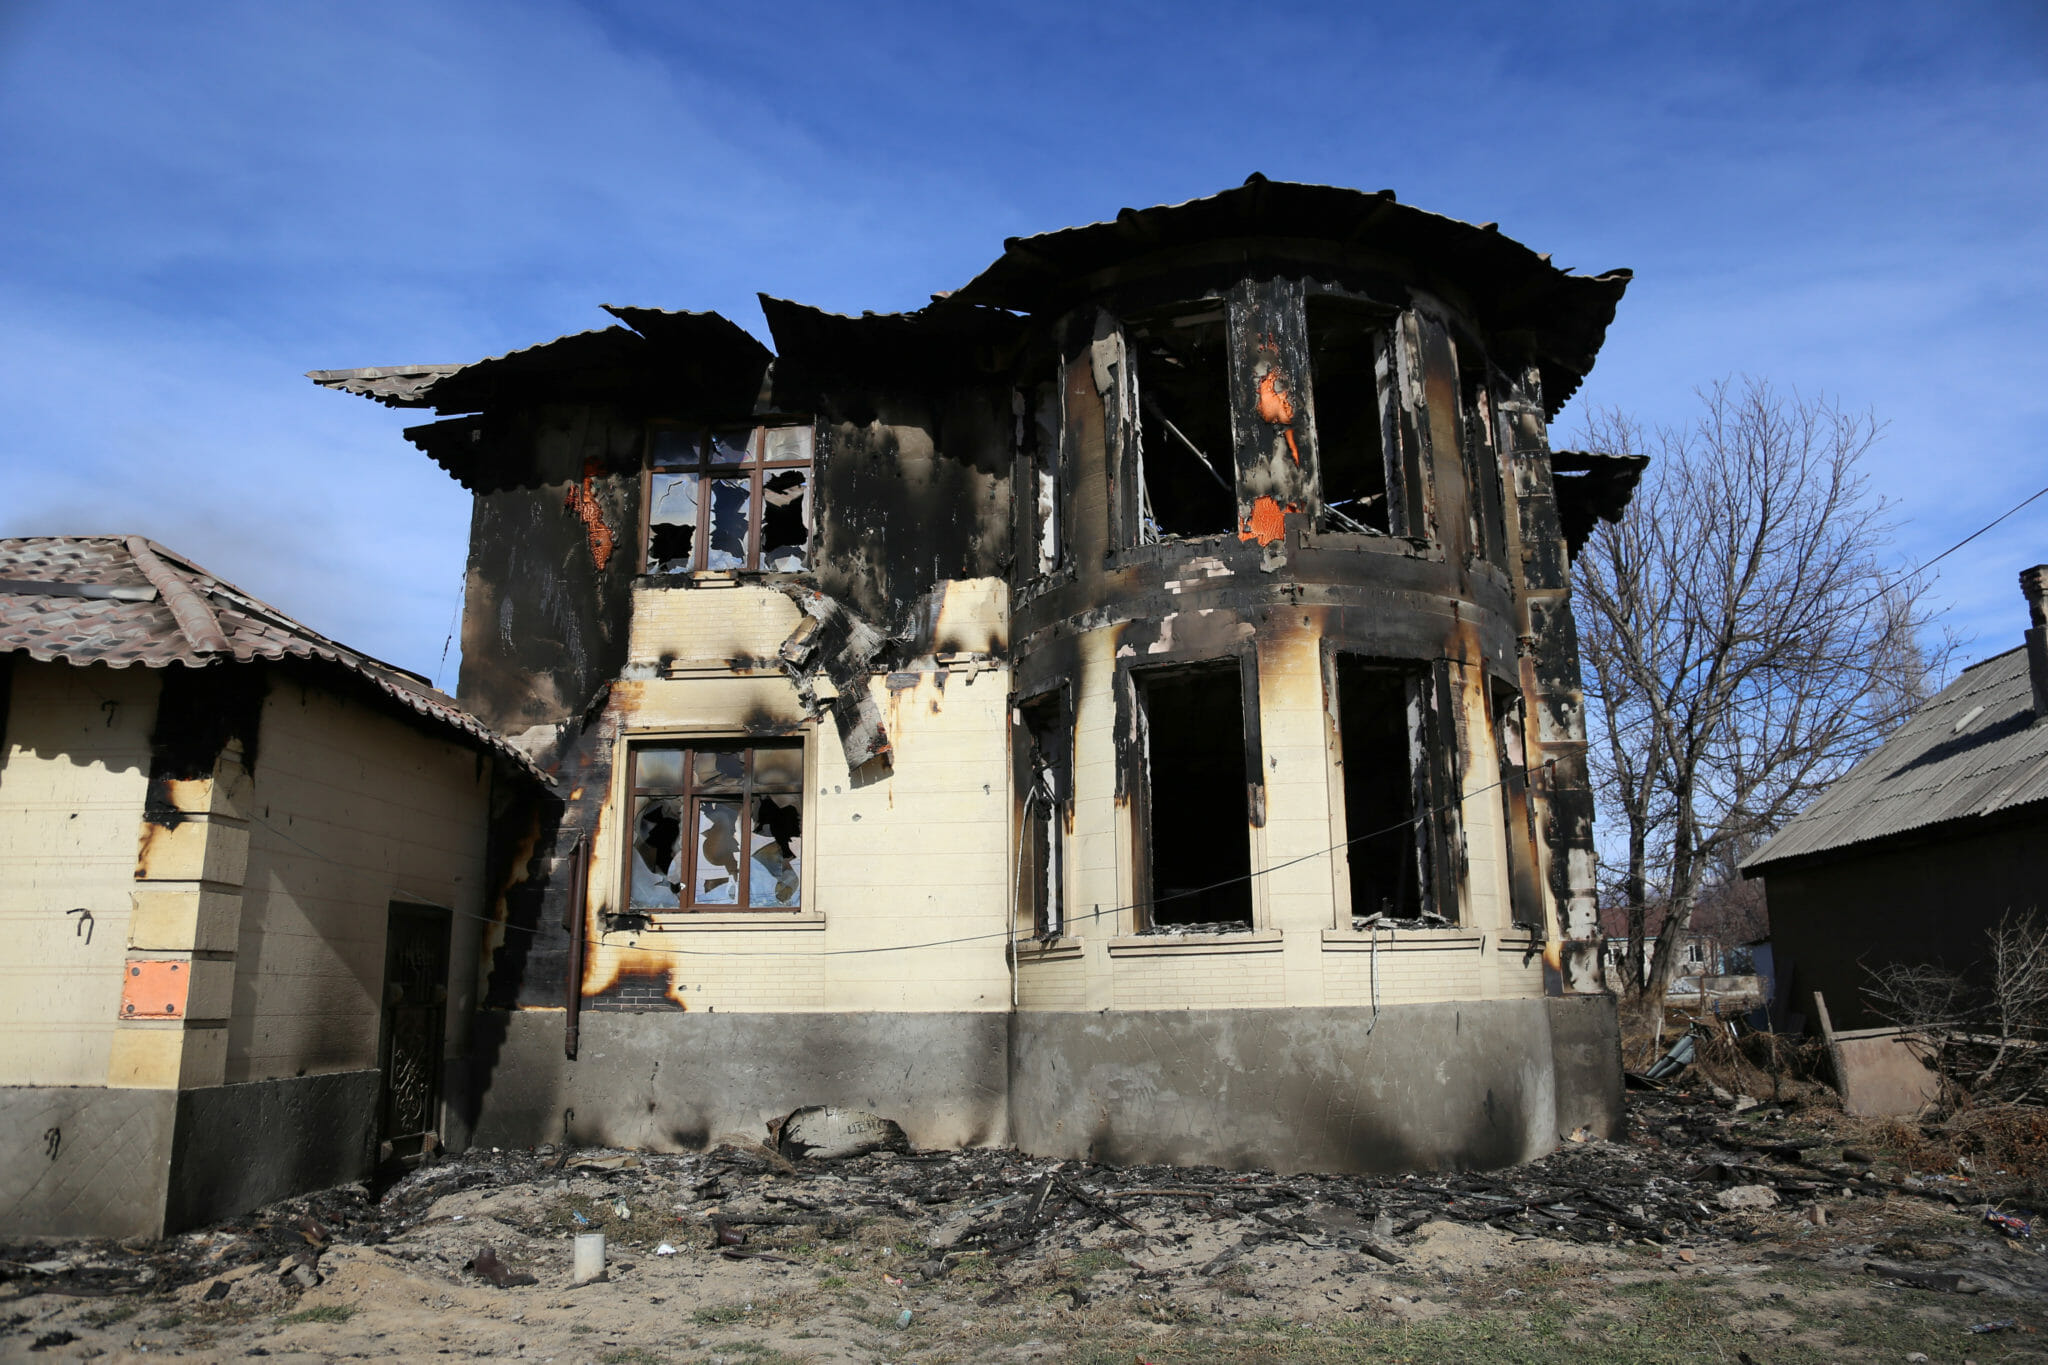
x=777, y=851
x=787, y=443
x=779, y=769
x=671, y=523
x=718, y=853
x=674, y=449
x=785, y=519
x=731, y=506
x=657, y=852
x=658, y=769
x=719, y=770
x=731, y=447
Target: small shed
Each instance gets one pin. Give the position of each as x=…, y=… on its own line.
x=1927, y=843
x=243, y=874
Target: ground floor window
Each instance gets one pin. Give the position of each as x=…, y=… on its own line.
x=1198, y=834
x=1385, y=717
x=716, y=826
x=1047, y=746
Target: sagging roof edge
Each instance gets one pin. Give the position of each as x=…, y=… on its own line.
x=1563, y=315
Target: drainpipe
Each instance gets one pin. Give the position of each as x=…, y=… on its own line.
x=579, y=880
x=2034, y=583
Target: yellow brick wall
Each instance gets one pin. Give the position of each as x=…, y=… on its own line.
x=350, y=810
x=74, y=769
x=918, y=858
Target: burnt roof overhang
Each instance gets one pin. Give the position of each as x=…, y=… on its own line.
x=1592, y=487
x=694, y=364
x=820, y=353
x=1533, y=312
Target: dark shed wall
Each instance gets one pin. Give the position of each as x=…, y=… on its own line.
x=1929, y=902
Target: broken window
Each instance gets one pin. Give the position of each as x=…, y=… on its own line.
x=735, y=499
x=1346, y=345
x=1525, y=885
x=717, y=827
x=1046, y=769
x=1038, y=433
x=1384, y=717
x=1187, y=463
x=1482, y=468
x=1198, y=834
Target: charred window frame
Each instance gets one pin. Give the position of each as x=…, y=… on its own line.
x=1045, y=757
x=716, y=826
x=1511, y=742
x=1354, y=386
x=1186, y=464
x=733, y=499
x=1482, y=466
x=1198, y=745
x=1401, y=789
x=1039, y=420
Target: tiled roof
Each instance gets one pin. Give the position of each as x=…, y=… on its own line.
x=1973, y=752
x=124, y=600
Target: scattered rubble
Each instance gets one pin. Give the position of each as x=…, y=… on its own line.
x=1695, y=1186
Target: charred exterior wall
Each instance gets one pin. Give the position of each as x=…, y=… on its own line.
x=1214, y=446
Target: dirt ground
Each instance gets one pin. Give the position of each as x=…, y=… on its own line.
x=1770, y=1235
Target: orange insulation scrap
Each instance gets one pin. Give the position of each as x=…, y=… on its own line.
x=1268, y=521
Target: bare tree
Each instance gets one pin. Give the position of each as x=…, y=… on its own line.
x=1740, y=639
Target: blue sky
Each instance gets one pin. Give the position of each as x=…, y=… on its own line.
x=203, y=202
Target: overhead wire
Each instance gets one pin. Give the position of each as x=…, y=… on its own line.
x=1007, y=932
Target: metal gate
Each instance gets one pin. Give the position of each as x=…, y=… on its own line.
x=415, y=1024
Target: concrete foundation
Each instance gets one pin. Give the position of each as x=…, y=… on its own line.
x=1470, y=1084
x=88, y=1161
x=671, y=1080
x=1419, y=1087
x=83, y=1161
x=241, y=1146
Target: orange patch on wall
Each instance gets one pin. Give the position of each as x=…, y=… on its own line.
x=1276, y=408
x=582, y=500
x=1268, y=521
x=154, y=989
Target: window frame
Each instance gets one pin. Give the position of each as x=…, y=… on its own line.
x=755, y=468
x=686, y=791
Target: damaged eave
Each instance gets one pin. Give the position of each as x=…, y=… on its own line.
x=819, y=351
x=1560, y=319
x=1593, y=487
x=698, y=364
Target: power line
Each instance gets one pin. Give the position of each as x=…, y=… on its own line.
x=1006, y=933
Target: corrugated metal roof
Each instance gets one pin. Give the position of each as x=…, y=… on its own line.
x=124, y=600
x=655, y=349
x=1971, y=752
x=1559, y=318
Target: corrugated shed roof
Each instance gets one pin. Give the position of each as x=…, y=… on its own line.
x=1971, y=752
x=1558, y=318
x=124, y=600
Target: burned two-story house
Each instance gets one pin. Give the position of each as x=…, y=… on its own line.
x=1126, y=708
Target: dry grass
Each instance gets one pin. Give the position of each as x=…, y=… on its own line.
x=1995, y=1143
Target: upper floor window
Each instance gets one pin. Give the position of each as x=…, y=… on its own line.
x=737, y=499
x=1349, y=366
x=717, y=827
x=1187, y=463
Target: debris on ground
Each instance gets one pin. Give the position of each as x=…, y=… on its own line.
x=759, y=1233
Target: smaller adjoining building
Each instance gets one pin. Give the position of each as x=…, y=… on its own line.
x=1925, y=845
x=243, y=871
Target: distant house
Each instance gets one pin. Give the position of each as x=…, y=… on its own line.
x=243, y=875
x=1925, y=844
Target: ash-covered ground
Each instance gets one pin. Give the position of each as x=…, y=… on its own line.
x=1775, y=1234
